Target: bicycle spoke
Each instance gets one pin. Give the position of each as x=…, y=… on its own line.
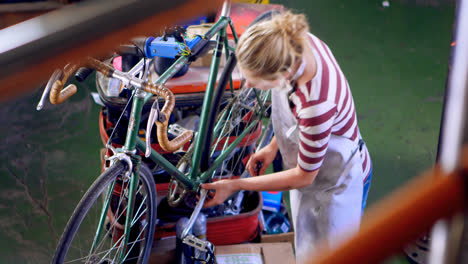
x=138, y=215
x=108, y=198
x=233, y=118
x=134, y=242
x=116, y=217
x=86, y=257
x=79, y=242
x=110, y=246
x=113, y=247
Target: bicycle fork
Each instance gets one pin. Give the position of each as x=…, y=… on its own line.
x=129, y=155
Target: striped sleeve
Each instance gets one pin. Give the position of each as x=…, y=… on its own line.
x=315, y=120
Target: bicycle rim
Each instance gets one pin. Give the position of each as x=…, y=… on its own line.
x=243, y=111
x=241, y=114
x=76, y=243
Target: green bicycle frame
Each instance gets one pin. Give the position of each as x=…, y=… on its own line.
x=133, y=143
x=195, y=178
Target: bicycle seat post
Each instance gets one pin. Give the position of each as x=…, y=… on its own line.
x=226, y=8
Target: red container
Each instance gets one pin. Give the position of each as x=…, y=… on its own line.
x=228, y=229
x=242, y=14
x=221, y=230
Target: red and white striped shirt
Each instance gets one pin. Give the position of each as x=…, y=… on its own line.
x=324, y=106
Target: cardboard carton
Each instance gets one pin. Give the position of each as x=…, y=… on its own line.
x=252, y=253
x=263, y=253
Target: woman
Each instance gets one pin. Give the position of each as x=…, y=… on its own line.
x=327, y=166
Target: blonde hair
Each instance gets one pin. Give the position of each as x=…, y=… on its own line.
x=269, y=48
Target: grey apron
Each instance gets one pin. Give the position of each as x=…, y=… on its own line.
x=329, y=209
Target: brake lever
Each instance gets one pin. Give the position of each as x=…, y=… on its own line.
x=53, y=78
x=154, y=114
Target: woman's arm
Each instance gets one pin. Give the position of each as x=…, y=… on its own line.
x=294, y=178
x=280, y=181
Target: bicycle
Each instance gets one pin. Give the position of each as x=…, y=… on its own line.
x=126, y=219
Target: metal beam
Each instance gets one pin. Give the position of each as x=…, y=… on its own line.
x=453, y=129
x=31, y=50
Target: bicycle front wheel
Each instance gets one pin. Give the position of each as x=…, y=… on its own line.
x=95, y=231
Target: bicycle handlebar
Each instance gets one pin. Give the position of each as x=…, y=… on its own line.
x=169, y=103
x=58, y=94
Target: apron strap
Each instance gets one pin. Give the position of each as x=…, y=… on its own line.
x=349, y=165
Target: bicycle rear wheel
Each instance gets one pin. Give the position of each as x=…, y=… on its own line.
x=234, y=126
x=235, y=115
x=244, y=110
x=109, y=193
x=242, y=114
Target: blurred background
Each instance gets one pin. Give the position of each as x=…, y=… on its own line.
x=394, y=53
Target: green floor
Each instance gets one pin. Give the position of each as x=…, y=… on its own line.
x=394, y=58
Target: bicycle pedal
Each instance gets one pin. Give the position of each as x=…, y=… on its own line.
x=176, y=129
x=197, y=243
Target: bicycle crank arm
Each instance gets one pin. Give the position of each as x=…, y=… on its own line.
x=195, y=213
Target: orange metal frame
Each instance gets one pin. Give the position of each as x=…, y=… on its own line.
x=32, y=75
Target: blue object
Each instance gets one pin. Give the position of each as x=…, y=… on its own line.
x=366, y=188
x=170, y=48
x=276, y=222
x=272, y=201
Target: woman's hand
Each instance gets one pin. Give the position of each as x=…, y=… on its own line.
x=259, y=162
x=223, y=188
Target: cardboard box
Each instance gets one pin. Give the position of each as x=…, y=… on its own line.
x=164, y=252
x=284, y=238
x=263, y=253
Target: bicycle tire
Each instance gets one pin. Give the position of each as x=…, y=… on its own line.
x=214, y=109
x=242, y=109
x=206, y=158
x=145, y=217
